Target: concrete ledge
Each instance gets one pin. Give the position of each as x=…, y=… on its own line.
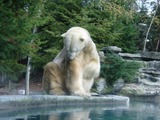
x=18, y=107
x=22, y=101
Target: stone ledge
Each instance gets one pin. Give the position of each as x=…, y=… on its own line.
x=142, y=55
x=22, y=101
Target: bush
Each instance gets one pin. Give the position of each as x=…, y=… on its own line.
x=12, y=69
x=114, y=67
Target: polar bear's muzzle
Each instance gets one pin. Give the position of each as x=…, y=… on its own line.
x=71, y=55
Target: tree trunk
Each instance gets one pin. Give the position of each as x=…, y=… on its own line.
x=29, y=68
x=157, y=46
x=28, y=76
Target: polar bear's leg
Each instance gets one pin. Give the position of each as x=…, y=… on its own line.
x=53, y=79
x=56, y=89
x=87, y=84
x=74, y=80
x=90, y=72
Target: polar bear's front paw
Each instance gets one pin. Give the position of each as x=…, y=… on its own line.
x=82, y=94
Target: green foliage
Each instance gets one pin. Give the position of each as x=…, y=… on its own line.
x=11, y=68
x=114, y=67
x=110, y=22
x=17, y=21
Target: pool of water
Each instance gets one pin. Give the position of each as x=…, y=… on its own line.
x=137, y=110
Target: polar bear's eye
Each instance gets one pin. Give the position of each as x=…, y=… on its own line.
x=81, y=39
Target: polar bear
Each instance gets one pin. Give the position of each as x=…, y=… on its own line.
x=74, y=69
x=77, y=114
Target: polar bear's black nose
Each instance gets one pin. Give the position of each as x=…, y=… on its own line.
x=71, y=55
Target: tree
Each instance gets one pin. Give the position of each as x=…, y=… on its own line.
x=17, y=22
x=155, y=28
x=148, y=16
x=109, y=22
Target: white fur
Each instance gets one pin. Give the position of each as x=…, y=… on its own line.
x=76, y=40
x=78, y=62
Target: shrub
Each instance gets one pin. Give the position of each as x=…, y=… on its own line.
x=114, y=67
x=12, y=69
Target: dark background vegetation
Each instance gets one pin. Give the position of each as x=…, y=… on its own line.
x=110, y=23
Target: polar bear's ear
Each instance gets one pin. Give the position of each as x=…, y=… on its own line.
x=63, y=35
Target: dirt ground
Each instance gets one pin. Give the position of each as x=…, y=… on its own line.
x=35, y=88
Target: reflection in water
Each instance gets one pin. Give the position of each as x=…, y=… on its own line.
x=135, y=111
x=66, y=113
x=78, y=115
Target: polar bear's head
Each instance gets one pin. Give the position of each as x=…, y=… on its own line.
x=75, y=40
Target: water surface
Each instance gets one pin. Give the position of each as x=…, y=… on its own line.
x=137, y=110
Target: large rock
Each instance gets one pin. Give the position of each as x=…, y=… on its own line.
x=150, y=55
x=114, y=49
x=140, y=89
x=146, y=56
x=130, y=56
x=148, y=79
